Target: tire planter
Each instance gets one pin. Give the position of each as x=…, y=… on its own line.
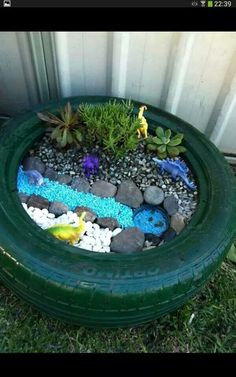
x=113, y=290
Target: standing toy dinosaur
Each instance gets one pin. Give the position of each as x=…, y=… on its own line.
x=176, y=169
x=142, y=130
x=66, y=232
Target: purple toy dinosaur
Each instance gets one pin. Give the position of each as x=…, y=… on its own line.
x=34, y=177
x=90, y=165
x=176, y=169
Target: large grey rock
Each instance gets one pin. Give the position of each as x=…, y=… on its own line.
x=64, y=178
x=107, y=222
x=23, y=198
x=171, y=205
x=128, y=193
x=80, y=184
x=153, y=195
x=90, y=215
x=50, y=174
x=38, y=201
x=177, y=222
x=34, y=163
x=103, y=189
x=130, y=240
x=58, y=208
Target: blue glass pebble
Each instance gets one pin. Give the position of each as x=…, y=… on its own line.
x=151, y=220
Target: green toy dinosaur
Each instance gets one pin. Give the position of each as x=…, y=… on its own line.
x=66, y=232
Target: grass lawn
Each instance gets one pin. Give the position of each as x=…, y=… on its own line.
x=213, y=328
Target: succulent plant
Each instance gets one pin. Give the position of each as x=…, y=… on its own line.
x=67, y=124
x=164, y=145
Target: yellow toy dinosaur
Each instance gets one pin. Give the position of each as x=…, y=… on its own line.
x=144, y=125
x=66, y=232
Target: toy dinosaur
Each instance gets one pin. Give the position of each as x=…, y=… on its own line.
x=176, y=168
x=90, y=165
x=66, y=232
x=142, y=130
x=34, y=177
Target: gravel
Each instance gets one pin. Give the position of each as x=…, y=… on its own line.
x=136, y=165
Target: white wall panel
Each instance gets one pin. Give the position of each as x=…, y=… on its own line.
x=185, y=73
x=190, y=74
x=147, y=65
x=18, y=87
x=201, y=65
x=82, y=62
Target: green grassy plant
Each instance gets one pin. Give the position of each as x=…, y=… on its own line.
x=111, y=125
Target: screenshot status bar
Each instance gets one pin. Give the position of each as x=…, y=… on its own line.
x=120, y=3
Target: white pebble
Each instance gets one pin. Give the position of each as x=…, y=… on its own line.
x=86, y=240
x=62, y=220
x=96, y=248
x=44, y=211
x=107, y=242
x=96, y=227
x=96, y=234
x=116, y=231
x=70, y=213
x=90, y=233
x=75, y=218
x=98, y=243
x=86, y=247
x=95, y=238
x=109, y=234
x=92, y=241
x=36, y=216
x=64, y=216
x=106, y=230
x=50, y=216
x=24, y=206
x=106, y=249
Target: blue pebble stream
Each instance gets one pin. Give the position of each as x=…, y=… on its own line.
x=54, y=191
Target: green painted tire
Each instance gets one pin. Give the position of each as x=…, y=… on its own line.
x=113, y=290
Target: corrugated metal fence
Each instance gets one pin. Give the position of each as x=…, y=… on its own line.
x=190, y=74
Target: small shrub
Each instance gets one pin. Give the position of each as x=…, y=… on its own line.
x=66, y=125
x=164, y=145
x=111, y=125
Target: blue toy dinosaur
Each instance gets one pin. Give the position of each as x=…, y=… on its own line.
x=176, y=168
x=34, y=177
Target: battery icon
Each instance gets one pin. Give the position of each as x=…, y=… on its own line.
x=210, y=4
